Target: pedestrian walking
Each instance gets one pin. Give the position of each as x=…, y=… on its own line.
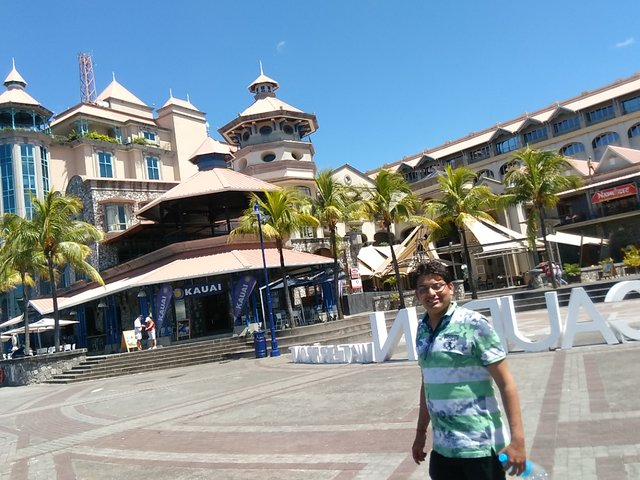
x=460, y=354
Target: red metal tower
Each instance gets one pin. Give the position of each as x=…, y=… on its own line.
x=87, y=81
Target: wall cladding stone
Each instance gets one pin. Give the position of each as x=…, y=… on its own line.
x=39, y=368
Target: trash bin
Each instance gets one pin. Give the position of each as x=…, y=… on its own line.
x=260, y=344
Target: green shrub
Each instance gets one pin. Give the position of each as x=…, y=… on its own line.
x=571, y=269
x=101, y=137
x=139, y=141
x=631, y=256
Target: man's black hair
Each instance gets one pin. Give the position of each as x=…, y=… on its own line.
x=432, y=267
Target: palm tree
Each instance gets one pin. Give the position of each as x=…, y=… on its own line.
x=536, y=178
x=20, y=259
x=330, y=207
x=461, y=202
x=390, y=201
x=283, y=214
x=62, y=240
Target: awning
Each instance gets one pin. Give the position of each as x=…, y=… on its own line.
x=574, y=240
x=186, y=268
x=13, y=321
x=496, y=240
x=41, y=325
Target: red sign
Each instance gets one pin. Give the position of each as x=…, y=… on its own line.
x=355, y=273
x=614, y=192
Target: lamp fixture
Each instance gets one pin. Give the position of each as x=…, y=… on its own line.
x=102, y=304
x=142, y=293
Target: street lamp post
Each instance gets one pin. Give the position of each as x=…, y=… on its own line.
x=275, y=351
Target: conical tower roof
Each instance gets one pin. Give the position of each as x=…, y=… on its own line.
x=116, y=91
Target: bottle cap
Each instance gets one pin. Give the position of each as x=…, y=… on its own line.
x=503, y=457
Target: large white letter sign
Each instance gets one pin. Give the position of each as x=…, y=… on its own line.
x=617, y=294
x=516, y=337
x=406, y=323
x=579, y=298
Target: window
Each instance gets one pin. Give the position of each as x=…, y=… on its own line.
x=8, y=187
x=82, y=127
x=117, y=134
x=566, y=125
x=536, y=135
x=631, y=105
x=506, y=167
x=306, y=232
x=268, y=157
x=28, y=178
x=266, y=130
x=605, y=139
x=305, y=191
x=44, y=165
x=572, y=149
x=600, y=114
x=485, y=174
x=507, y=145
x=153, y=168
x=288, y=129
x=116, y=216
x=105, y=165
x=479, y=154
x=634, y=131
x=149, y=136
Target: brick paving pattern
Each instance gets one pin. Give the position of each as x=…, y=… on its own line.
x=270, y=419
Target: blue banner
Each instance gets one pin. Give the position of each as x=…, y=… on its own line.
x=241, y=294
x=163, y=300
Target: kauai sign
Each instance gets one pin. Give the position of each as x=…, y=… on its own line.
x=503, y=317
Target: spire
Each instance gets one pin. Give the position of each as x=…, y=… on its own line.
x=113, y=74
x=170, y=93
x=263, y=86
x=14, y=79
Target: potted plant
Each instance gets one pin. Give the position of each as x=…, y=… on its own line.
x=572, y=271
x=631, y=257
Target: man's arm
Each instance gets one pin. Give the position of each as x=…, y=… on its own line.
x=417, y=450
x=516, y=450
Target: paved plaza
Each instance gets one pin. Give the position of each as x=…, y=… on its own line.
x=270, y=419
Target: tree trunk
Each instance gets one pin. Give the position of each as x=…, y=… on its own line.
x=547, y=250
x=472, y=280
x=396, y=269
x=25, y=314
x=287, y=297
x=56, y=312
x=336, y=273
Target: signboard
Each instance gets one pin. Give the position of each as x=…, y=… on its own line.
x=241, y=293
x=612, y=193
x=128, y=340
x=356, y=281
x=213, y=288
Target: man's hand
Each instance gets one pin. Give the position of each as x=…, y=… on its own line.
x=417, y=450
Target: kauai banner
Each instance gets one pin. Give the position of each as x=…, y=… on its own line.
x=241, y=294
x=163, y=300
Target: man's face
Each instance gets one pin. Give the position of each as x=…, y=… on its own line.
x=434, y=294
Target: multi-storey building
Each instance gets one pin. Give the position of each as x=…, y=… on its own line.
x=587, y=129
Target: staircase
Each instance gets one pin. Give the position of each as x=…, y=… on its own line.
x=350, y=330
x=353, y=329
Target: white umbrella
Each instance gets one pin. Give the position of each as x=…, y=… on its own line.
x=13, y=321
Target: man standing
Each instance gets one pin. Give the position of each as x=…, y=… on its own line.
x=459, y=354
x=150, y=327
x=137, y=330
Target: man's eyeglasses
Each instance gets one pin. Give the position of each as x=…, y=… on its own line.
x=434, y=287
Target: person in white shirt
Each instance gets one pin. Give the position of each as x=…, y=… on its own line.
x=137, y=329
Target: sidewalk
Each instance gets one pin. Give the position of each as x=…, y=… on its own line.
x=270, y=419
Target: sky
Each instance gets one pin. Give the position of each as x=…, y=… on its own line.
x=386, y=79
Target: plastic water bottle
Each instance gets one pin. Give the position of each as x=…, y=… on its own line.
x=532, y=471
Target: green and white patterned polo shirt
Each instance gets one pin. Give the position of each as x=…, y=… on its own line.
x=465, y=415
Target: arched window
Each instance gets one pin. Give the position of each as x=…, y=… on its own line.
x=486, y=174
x=634, y=131
x=572, y=149
x=506, y=167
x=605, y=139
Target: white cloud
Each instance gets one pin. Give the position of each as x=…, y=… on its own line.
x=625, y=43
x=280, y=46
